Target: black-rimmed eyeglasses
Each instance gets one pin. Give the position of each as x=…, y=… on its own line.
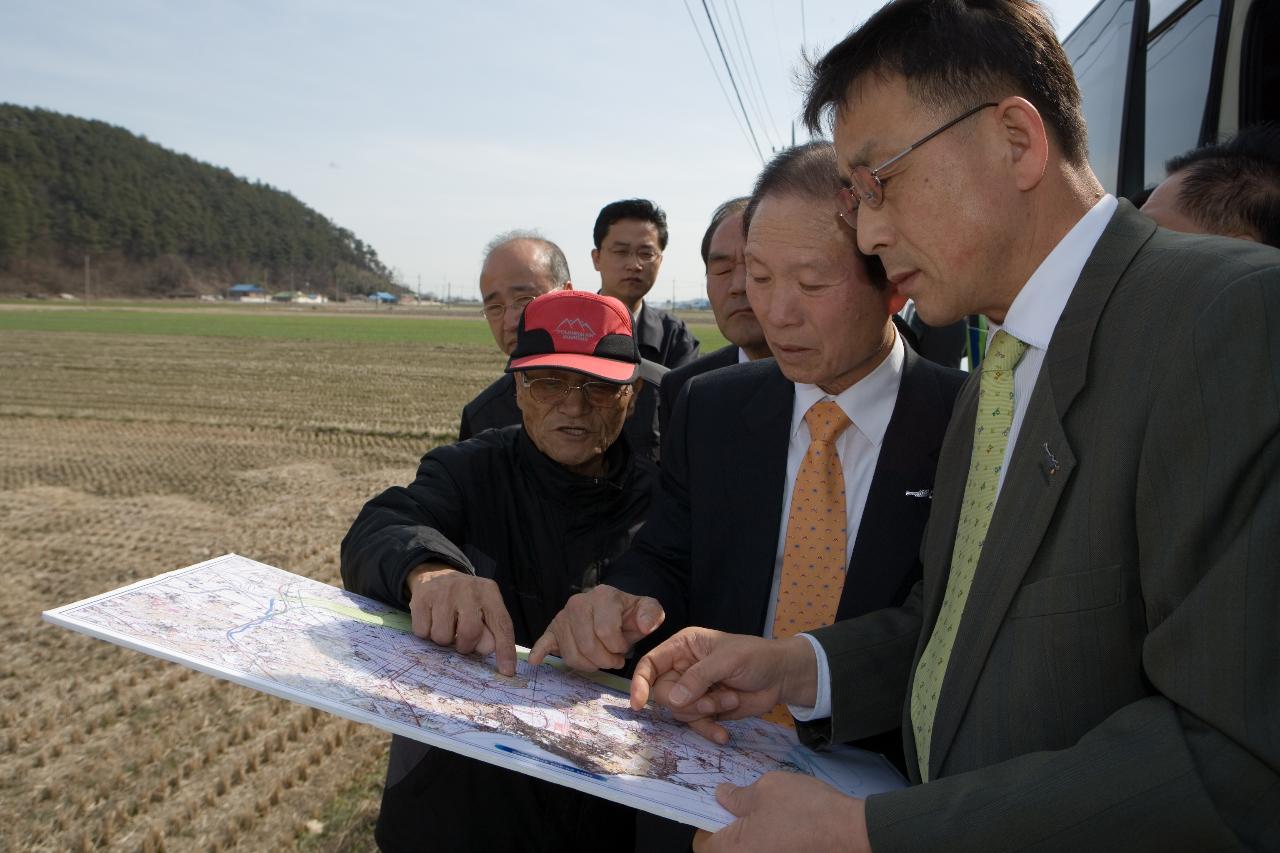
x=868, y=187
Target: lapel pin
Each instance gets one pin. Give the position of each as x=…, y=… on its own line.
x=1050, y=461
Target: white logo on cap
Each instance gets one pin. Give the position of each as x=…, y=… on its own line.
x=575, y=330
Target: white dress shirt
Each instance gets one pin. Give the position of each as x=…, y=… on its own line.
x=1031, y=318
x=869, y=405
x=743, y=358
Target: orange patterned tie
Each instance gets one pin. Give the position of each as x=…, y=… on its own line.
x=813, y=558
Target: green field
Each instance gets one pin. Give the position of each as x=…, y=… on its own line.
x=270, y=324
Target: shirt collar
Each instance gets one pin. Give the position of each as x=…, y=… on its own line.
x=743, y=358
x=868, y=402
x=1038, y=306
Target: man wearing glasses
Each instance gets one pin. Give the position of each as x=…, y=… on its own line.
x=487, y=544
x=1090, y=661
x=518, y=266
x=630, y=237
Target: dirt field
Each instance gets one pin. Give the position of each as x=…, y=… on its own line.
x=125, y=455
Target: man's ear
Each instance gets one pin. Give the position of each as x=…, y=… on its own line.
x=635, y=395
x=595, y=259
x=1026, y=139
x=521, y=392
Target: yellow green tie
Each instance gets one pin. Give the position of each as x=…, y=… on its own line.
x=990, y=437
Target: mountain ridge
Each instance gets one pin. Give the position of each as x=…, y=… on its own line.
x=155, y=222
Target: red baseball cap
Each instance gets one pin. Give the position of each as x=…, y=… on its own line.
x=575, y=330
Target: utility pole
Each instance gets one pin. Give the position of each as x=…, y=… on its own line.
x=673, y=294
x=448, y=294
x=86, y=279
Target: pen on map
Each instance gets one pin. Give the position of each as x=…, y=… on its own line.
x=559, y=765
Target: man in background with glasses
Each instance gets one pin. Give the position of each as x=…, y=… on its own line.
x=487, y=544
x=630, y=237
x=518, y=266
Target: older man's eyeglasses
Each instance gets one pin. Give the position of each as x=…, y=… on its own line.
x=598, y=394
x=496, y=310
x=868, y=186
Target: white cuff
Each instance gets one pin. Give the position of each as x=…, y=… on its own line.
x=822, y=709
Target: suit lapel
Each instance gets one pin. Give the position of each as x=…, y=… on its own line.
x=1039, y=470
x=898, y=500
x=756, y=487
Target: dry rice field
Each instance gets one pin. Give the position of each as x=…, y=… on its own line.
x=127, y=455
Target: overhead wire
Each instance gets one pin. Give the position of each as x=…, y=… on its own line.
x=716, y=74
x=739, y=64
x=733, y=82
x=755, y=69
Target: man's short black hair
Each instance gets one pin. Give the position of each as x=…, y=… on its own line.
x=1234, y=186
x=811, y=172
x=631, y=208
x=956, y=54
x=730, y=208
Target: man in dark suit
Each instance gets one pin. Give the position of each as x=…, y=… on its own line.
x=630, y=237
x=727, y=292
x=518, y=266
x=715, y=549
x=1091, y=661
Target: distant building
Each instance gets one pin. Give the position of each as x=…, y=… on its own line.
x=246, y=293
x=382, y=297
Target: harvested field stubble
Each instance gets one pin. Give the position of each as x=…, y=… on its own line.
x=128, y=455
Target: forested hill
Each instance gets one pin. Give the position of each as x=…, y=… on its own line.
x=154, y=222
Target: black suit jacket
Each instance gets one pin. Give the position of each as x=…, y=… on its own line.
x=675, y=380
x=707, y=551
x=663, y=339
x=493, y=408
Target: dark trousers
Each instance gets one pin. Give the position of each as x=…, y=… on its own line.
x=451, y=803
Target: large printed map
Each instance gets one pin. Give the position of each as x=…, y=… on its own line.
x=309, y=642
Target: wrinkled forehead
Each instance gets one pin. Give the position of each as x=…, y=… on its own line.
x=728, y=238
x=798, y=230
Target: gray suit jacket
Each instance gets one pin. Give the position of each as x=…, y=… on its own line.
x=1115, y=680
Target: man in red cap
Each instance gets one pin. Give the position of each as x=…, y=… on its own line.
x=488, y=543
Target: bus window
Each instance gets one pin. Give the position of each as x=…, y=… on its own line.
x=1179, y=66
x=1099, y=51
x=1259, y=71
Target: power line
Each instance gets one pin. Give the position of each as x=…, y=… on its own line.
x=736, y=59
x=716, y=74
x=755, y=68
x=733, y=82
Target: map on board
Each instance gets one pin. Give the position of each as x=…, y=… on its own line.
x=312, y=643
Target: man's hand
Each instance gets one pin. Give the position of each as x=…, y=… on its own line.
x=704, y=675
x=597, y=628
x=452, y=608
x=787, y=811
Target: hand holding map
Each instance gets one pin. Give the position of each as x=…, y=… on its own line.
x=453, y=608
x=703, y=675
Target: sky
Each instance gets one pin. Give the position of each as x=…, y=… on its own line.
x=427, y=128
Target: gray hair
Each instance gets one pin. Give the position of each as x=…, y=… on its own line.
x=557, y=264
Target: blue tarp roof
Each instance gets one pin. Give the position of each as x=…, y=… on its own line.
x=245, y=288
